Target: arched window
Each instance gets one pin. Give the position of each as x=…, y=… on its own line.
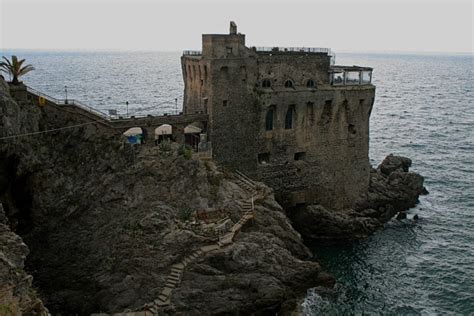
x=310, y=83
x=289, y=83
x=289, y=117
x=266, y=83
x=269, y=119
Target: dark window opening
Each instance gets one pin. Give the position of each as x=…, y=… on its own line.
x=351, y=128
x=300, y=155
x=289, y=118
x=224, y=68
x=361, y=101
x=310, y=112
x=289, y=84
x=202, y=82
x=263, y=158
x=266, y=83
x=224, y=103
x=205, y=72
x=269, y=119
x=310, y=83
x=327, y=113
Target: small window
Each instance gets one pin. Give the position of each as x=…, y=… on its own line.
x=361, y=102
x=269, y=119
x=300, y=155
x=266, y=83
x=289, y=83
x=229, y=50
x=224, y=68
x=202, y=82
x=224, y=103
x=351, y=129
x=263, y=158
x=205, y=72
x=310, y=83
x=289, y=117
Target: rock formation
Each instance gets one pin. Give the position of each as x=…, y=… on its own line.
x=393, y=189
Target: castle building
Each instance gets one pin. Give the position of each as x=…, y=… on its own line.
x=287, y=117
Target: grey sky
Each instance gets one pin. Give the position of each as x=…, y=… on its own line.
x=383, y=25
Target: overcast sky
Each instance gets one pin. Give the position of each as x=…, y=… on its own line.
x=344, y=25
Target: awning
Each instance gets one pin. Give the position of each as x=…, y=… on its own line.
x=133, y=131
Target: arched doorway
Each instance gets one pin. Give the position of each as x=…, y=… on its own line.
x=135, y=135
x=192, y=134
x=162, y=133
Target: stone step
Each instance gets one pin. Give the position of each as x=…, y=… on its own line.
x=165, y=303
x=172, y=278
x=176, y=271
x=178, y=265
x=166, y=291
x=171, y=284
x=162, y=298
x=175, y=275
x=209, y=248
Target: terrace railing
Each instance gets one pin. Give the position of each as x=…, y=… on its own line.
x=192, y=53
x=67, y=102
x=294, y=49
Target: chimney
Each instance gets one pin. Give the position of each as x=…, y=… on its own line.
x=233, y=28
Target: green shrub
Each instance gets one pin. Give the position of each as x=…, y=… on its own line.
x=165, y=146
x=185, y=214
x=185, y=151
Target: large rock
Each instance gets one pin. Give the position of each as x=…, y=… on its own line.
x=393, y=189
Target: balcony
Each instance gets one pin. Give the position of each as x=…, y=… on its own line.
x=350, y=75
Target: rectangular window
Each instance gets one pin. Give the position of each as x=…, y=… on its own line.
x=352, y=77
x=229, y=50
x=300, y=155
x=224, y=103
x=263, y=158
x=289, y=117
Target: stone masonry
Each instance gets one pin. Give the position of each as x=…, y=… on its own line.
x=284, y=116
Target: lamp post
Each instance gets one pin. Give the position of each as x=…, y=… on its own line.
x=127, y=107
x=65, y=90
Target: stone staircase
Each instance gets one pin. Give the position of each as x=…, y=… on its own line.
x=177, y=270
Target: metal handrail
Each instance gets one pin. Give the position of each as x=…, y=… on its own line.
x=192, y=52
x=294, y=49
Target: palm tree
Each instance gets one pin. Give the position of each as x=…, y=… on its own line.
x=15, y=68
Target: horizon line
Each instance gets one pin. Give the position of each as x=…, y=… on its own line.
x=402, y=52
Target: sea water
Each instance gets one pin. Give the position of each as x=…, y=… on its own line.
x=423, y=110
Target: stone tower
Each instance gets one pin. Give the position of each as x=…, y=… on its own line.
x=285, y=116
